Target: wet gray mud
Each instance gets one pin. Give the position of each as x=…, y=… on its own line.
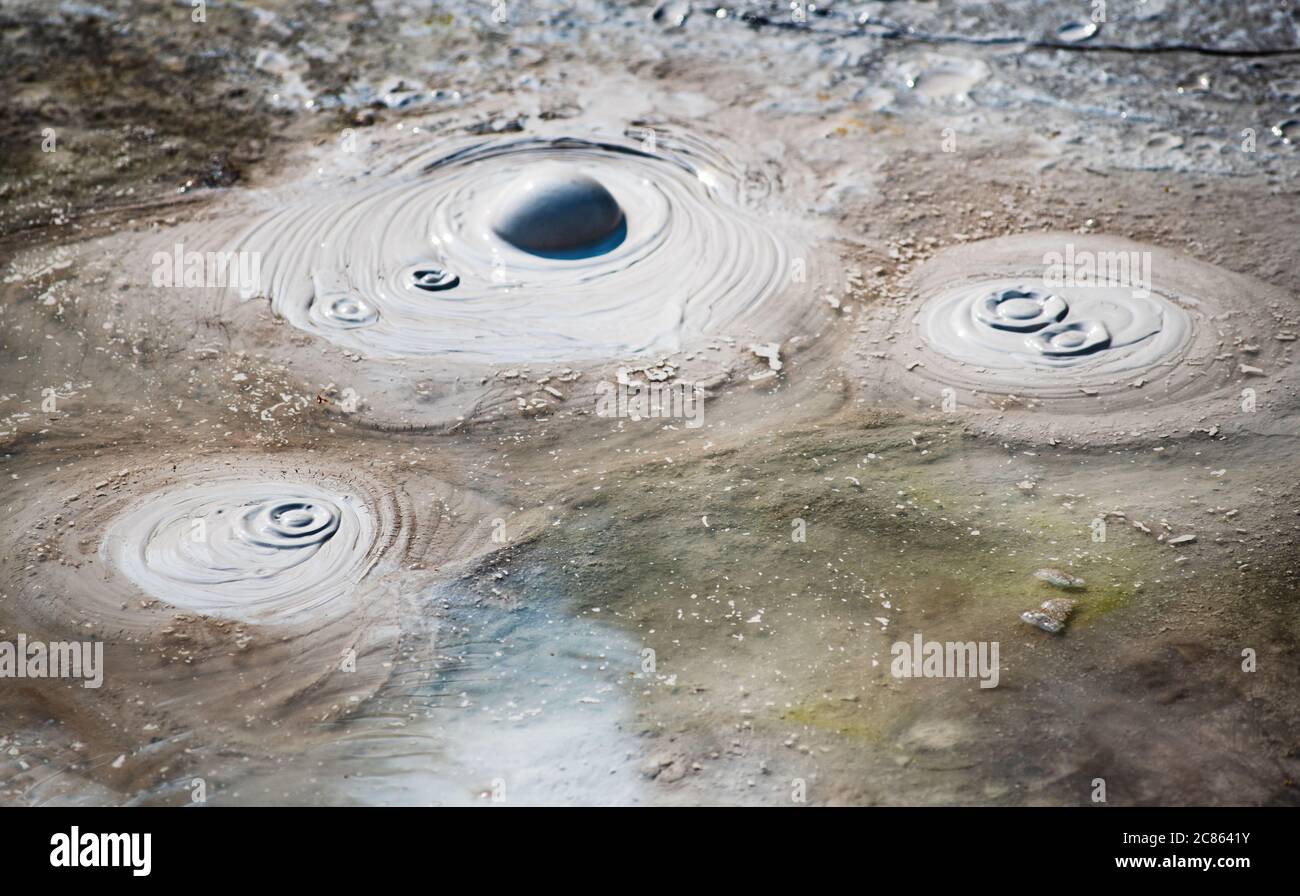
x=359, y=512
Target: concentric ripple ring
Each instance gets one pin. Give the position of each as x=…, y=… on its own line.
x=251, y=551
x=527, y=249
x=1094, y=332
x=1005, y=329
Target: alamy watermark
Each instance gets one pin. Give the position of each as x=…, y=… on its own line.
x=54, y=659
x=648, y=401
x=1082, y=267
x=77, y=850
x=179, y=268
x=946, y=659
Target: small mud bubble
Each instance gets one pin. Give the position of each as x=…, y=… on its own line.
x=1194, y=84
x=1164, y=141
x=289, y=523
x=1011, y=330
x=1076, y=32
x=434, y=279
x=1288, y=130
x=350, y=311
x=1019, y=310
x=1058, y=578
x=672, y=14
x=1070, y=339
x=1051, y=616
x=556, y=209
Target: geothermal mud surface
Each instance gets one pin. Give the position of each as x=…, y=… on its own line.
x=525, y=250
x=355, y=530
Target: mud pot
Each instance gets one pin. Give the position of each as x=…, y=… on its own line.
x=887, y=403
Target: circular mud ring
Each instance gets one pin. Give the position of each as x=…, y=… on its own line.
x=526, y=250
x=347, y=311
x=1020, y=309
x=995, y=327
x=1070, y=340
x=1010, y=331
x=260, y=551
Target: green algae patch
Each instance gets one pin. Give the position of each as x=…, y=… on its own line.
x=846, y=719
x=1096, y=603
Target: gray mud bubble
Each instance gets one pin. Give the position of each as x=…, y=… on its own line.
x=1022, y=310
x=1076, y=32
x=1055, y=330
x=1067, y=340
x=1288, y=130
x=556, y=210
x=671, y=13
x=349, y=311
x=533, y=249
x=434, y=279
x=259, y=552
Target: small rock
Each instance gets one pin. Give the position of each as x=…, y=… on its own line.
x=220, y=172
x=1051, y=616
x=1058, y=578
x=672, y=773
x=652, y=766
x=665, y=768
x=769, y=352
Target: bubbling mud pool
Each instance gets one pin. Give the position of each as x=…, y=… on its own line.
x=253, y=552
x=513, y=568
x=1011, y=327
x=991, y=324
x=531, y=249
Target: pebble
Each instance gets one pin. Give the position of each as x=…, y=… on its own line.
x=1051, y=615
x=1059, y=578
x=769, y=352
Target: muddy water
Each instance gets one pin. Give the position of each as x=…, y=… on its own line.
x=362, y=537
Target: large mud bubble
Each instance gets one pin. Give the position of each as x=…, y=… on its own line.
x=533, y=249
